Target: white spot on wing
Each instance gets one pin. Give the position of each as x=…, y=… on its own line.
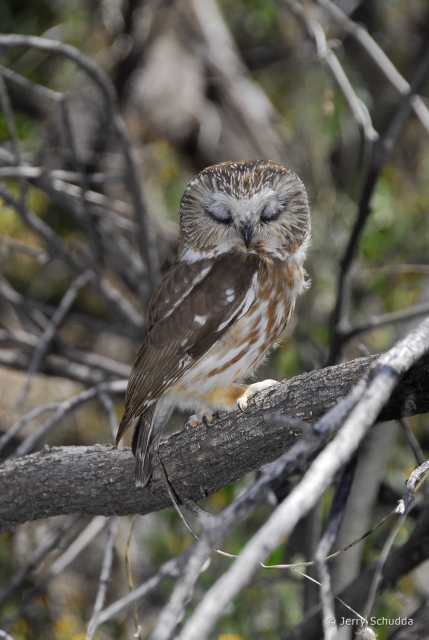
x=201, y=275
x=245, y=305
x=200, y=319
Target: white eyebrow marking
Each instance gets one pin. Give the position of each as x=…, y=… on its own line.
x=200, y=319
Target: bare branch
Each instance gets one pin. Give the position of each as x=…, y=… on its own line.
x=38, y=556
x=385, y=377
x=377, y=54
x=170, y=569
x=107, y=405
x=28, y=85
x=67, y=131
x=412, y=441
x=18, y=426
x=51, y=328
x=400, y=561
x=104, y=577
x=85, y=537
x=330, y=60
x=380, y=154
x=327, y=540
x=198, y=460
x=57, y=248
x=414, y=481
x=63, y=409
x=108, y=91
x=385, y=319
x=39, y=311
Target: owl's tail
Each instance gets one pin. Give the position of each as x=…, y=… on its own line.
x=146, y=439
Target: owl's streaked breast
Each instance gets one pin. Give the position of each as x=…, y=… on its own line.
x=244, y=346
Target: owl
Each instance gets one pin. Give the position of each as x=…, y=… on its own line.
x=244, y=233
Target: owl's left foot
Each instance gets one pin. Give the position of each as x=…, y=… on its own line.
x=204, y=417
x=251, y=390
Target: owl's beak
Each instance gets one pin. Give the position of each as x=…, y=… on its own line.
x=246, y=230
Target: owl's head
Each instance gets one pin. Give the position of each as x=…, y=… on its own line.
x=255, y=207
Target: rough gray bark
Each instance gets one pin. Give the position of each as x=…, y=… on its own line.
x=198, y=461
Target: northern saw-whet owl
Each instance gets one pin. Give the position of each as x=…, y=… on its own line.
x=244, y=233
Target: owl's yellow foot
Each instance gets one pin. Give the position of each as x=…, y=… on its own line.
x=206, y=416
x=251, y=390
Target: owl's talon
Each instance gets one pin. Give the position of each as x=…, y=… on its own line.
x=194, y=420
x=198, y=418
x=253, y=389
x=242, y=404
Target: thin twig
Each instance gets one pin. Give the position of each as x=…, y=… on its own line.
x=380, y=153
x=385, y=319
x=117, y=386
x=28, y=85
x=133, y=178
x=80, y=543
x=174, y=501
x=10, y=121
x=329, y=59
x=412, y=441
x=170, y=569
x=104, y=576
x=130, y=576
x=58, y=249
x=20, y=424
x=109, y=408
x=414, y=482
x=393, y=269
x=29, y=307
x=377, y=54
x=325, y=544
x=38, y=556
x=380, y=564
x=82, y=203
x=66, y=302
x=304, y=575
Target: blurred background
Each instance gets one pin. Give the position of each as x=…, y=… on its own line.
x=198, y=82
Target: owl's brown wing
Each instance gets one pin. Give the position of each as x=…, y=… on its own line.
x=191, y=309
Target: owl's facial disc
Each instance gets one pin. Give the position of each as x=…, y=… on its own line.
x=257, y=207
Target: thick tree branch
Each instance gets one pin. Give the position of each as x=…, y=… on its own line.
x=199, y=461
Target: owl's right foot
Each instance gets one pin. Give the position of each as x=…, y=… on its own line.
x=251, y=390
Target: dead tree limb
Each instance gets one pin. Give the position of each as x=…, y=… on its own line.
x=199, y=461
